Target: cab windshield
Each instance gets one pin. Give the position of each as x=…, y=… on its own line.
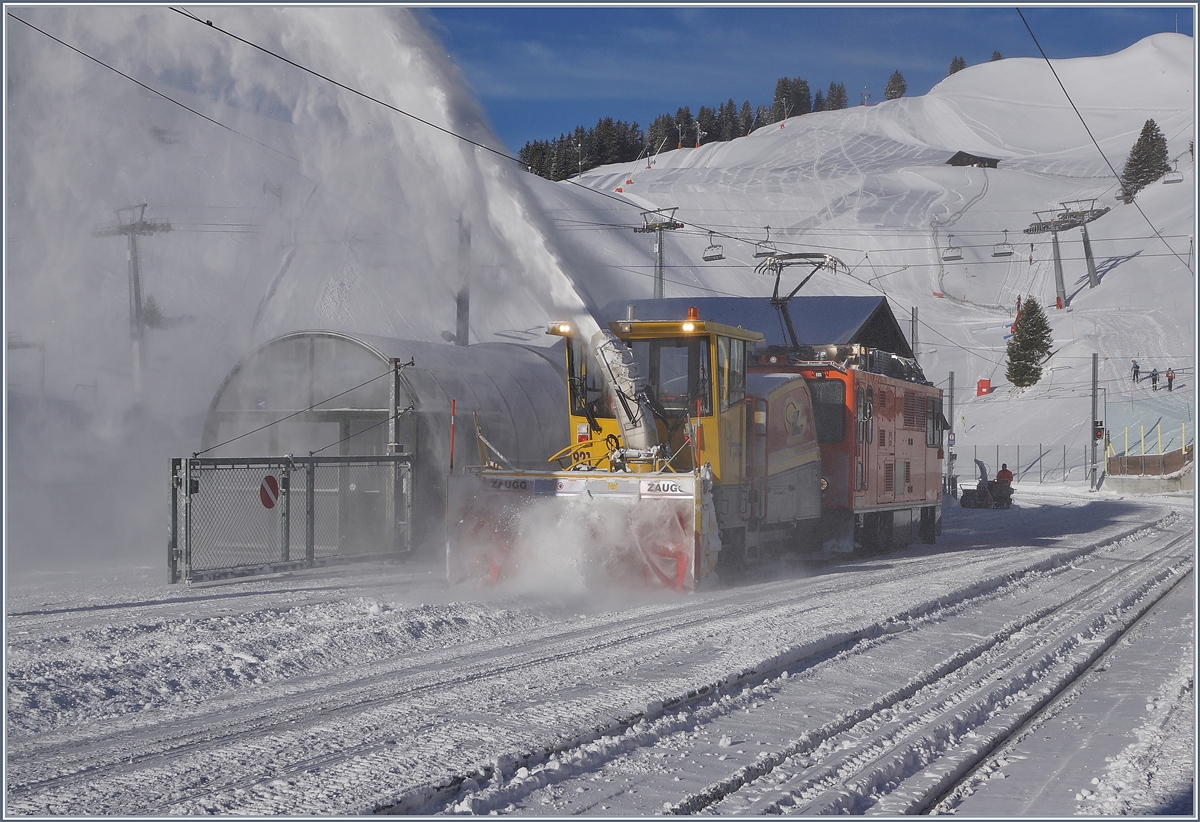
x=676, y=370
x=677, y=373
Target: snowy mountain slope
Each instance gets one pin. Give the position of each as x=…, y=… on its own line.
x=871, y=186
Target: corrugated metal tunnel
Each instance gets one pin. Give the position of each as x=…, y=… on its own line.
x=329, y=392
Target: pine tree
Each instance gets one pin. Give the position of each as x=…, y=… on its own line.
x=801, y=97
x=1147, y=161
x=661, y=136
x=1030, y=345
x=819, y=101
x=997, y=56
x=957, y=64
x=746, y=118
x=685, y=126
x=895, y=86
x=836, y=98
x=706, y=119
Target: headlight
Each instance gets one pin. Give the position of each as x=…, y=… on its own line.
x=824, y=483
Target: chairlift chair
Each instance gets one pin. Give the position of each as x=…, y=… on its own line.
x=765, y=248
x=952, y=252
x=1174, y=175
x=714, y=252
x=1003, y=249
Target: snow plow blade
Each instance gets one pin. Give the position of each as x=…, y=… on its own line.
x=627, y=529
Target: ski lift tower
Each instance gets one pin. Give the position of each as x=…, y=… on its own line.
x=1074, y=214
x=658, y=222
x=1082, y=212
x=134, y=227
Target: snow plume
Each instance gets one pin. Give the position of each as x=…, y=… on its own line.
x=582, y=548
x=308, y=206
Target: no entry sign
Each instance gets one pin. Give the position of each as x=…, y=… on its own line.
x=268, y=491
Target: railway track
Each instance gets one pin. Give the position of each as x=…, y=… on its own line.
x=905, y=749
x=388, y=736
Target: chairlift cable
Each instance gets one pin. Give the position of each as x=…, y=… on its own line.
x=1096, y=144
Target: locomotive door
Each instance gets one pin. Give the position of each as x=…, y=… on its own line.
x=886, y=479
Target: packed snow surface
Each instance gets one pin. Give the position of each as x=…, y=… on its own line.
x=1036, y=661
x=861, y=685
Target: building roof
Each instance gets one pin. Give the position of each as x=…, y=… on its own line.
x=962, y=158
x=818, y=320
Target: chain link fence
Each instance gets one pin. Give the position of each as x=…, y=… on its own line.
x=240, y=516
x=1047, y=464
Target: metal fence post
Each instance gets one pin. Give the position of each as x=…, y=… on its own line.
x=310, y=515
x=173, y=538
x=187, y=518
x=285, y=493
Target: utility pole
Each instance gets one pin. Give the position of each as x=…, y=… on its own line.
x=15, y=343
x=462, y=326
x=1096, y=421
x=914, y=332
x=657, y=222
x=133, y=228
x=950, y=445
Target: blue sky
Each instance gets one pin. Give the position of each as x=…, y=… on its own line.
x=541, y=71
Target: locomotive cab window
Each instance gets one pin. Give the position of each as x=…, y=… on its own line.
x=589, y=393
x=934, y=422
x=829, y=408
x=731, y=371
x=678, y=372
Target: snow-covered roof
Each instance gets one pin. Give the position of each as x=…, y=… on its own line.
x=829, y=320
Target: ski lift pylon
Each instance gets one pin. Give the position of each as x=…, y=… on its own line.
x=714, y=251
x=952, y=252
x=1003, y=249
x=765, y=248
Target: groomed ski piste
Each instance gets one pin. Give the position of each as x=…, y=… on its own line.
x=1037, y=661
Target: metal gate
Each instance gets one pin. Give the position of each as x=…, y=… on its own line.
x=240, y=516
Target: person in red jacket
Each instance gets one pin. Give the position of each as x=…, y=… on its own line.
x=1004, y=476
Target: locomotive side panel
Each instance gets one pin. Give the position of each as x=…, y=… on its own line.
x=793, y=456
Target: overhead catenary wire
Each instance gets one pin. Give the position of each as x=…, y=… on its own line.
x=411, y=407
x=712, y=231
x=389, y=372
x=499, y=153
x=150, y=89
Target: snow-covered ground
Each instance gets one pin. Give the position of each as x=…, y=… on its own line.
x=1060, y=633
x=868, y=685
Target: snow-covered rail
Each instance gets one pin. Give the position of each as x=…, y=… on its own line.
x=322, y=705
x=904, y=758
